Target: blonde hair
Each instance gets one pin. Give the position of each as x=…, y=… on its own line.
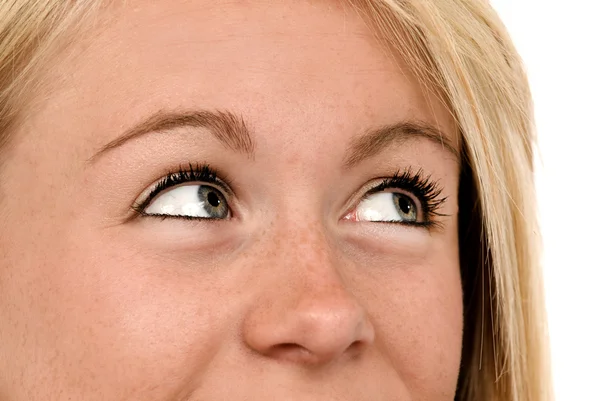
x=461, y=51
x=31, y=32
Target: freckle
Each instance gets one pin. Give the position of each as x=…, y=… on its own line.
x=292, y=159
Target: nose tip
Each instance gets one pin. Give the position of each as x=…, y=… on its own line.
x=312, y=329
x=320, y=339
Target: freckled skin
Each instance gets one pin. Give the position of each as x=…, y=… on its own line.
x=286, y=300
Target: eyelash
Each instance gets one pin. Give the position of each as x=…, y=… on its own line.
x=422, y=187
x=426, y=191
x=193, y=173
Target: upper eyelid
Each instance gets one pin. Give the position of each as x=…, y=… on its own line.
x=383, y=184
x=390, y=190
x=373, y=186
x=386, y=183
x=219, y=178
x=144, y=199
x=219, y=183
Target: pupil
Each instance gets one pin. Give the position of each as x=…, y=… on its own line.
x=213, y=199
x=404, y=205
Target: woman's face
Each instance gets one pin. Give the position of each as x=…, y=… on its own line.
x=230, y=201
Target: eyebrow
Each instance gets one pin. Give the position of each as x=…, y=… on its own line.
x=375, y=141
x=233, y=133
x=231, y=130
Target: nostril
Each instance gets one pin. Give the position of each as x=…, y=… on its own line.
x=356, y=348
x=296, y=353
x=288, y=347
x=291, y=352
x=285, y=346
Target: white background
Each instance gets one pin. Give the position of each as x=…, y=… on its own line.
x=560, y=44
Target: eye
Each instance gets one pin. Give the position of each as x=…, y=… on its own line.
x=194, y=201
x=193, y=193
x=408, y=197
x=388, y=207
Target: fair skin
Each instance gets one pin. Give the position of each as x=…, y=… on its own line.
x=297, y=293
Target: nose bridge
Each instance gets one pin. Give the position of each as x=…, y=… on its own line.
x=302, y=247
x=314, y=270
x=306, y=242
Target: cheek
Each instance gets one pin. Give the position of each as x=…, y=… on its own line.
x=101, y=314
x=418, y=312
x=159, y=311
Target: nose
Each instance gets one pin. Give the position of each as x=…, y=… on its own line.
x=307, y=315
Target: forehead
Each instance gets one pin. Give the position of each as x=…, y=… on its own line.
x=260, y=59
